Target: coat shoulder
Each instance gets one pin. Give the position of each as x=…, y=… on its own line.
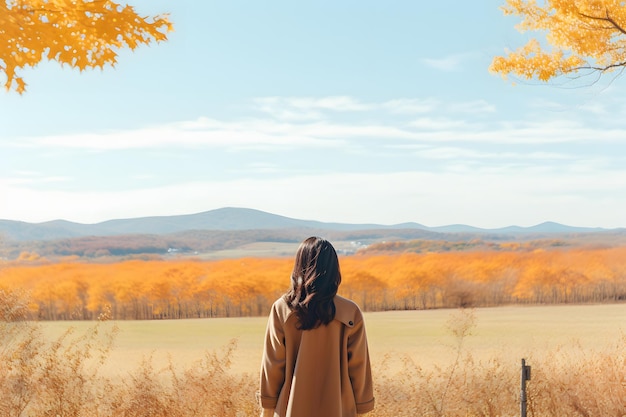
x=347, y=311
x=282, y=309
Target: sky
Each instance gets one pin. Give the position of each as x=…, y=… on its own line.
x=352, y=111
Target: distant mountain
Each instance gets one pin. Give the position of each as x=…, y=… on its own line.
x=543, y=228
x=223, y=219
x=237, y=219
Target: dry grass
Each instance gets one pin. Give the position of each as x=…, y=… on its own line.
x=62, y=377
x=579, y=383
x=65, y=376
x=567, y=381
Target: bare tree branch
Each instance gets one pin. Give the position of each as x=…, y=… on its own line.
x=614, y=24
x=602, y=69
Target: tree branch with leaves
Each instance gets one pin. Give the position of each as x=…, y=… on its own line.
x=80, y=33
x=582, y=37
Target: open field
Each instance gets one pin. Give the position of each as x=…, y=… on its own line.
x=271, y=250
x=506, y=333
x=443, y=363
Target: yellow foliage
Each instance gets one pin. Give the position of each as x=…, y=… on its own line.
x=80, y=33
x=248, y=286
x=28, y=257
x=580, y=35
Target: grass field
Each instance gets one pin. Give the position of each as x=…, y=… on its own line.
x=443, y=363
x=507, y=333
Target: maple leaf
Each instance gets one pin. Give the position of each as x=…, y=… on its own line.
x=80, y=33
x=581, y=37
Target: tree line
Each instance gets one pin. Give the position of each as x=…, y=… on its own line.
x=184, y=288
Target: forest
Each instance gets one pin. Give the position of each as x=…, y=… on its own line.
x=381, y=277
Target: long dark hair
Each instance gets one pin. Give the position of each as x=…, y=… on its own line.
x=314, y=283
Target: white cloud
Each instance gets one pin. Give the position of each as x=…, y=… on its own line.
x=25, y=173
x=454, y=153
x=418, y=160
x=266, y=134
x=594, y=108
x=37, y=179
x=143, y=177
x=409, y=106
x=467, y=154
x=308, y=108
x=312, y=108
x=262, y=168
x=440, y=123
x=199, y=133
x=450, y=63
x=334, y=103
x=544, y=104
x=473, y=107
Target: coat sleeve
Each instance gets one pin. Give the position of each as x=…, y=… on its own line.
x=359, y=368
x=273, y=363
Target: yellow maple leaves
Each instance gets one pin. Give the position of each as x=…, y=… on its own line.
x=80, y=33
x=580, y=35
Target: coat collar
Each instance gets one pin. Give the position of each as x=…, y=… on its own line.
x=345, y=310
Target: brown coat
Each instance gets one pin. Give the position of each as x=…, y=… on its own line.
x=323, y=372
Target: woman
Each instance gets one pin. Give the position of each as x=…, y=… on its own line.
x=315, y=360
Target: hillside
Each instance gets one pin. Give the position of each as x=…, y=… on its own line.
x=237, y=219
x=235, y=232
x=224, y=219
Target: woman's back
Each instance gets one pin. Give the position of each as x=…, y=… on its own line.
x=315, y=357
x=324, y=371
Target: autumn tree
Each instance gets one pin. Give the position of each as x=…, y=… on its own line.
x=582, y=37
x=80, y=33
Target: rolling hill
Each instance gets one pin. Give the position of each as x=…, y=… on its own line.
x=236, y=219
x=229, y=232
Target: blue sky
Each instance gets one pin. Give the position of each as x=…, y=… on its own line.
x=351, y=111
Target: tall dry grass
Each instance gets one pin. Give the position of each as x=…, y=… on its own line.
x=586, y=384
x=564, y=382
x=62, y=377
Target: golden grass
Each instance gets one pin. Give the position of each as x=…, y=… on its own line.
x=426, y=363
x=509, y=332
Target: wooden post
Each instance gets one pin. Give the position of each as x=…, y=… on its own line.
x=525, y=377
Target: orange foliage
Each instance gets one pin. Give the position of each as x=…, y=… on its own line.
x=243, y=287
x=80, y=33
x=581, y=35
